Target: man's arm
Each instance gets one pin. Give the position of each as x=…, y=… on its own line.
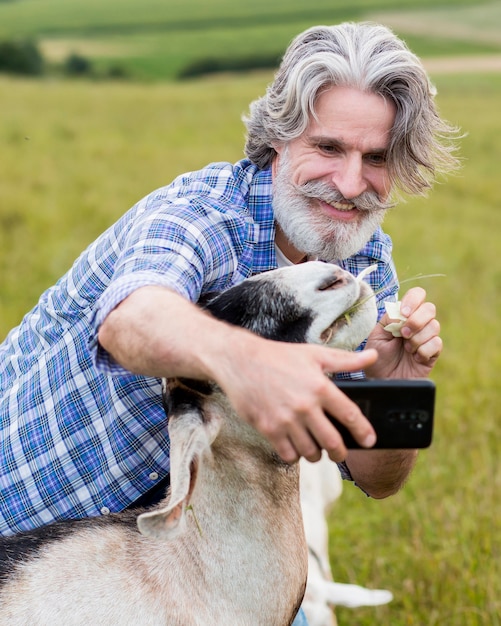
x=382, y=473
x=279, y=388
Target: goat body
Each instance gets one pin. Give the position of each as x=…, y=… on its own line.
x=227, y=545
x=231, y=542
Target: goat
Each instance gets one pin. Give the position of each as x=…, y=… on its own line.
x=320, y=486
x=226, y=545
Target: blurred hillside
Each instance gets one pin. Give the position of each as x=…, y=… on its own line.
x=155, y=40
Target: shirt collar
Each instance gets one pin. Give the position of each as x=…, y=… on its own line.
x=260, y=206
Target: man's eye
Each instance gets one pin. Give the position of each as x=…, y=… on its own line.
x=377, y=160
x=328, y=148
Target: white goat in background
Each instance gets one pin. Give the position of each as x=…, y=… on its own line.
x=320, y=487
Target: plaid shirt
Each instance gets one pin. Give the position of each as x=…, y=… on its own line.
x=80, y=436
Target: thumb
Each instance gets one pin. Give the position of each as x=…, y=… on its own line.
x=345, y=361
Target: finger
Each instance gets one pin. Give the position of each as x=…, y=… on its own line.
x=349, y=414
x=329, y=438
x=304, y=443
x=286, y=450
x=424, y=318
x=343, y=361
x=428, y=332
x=412, y=300
x=293, y=440
x=428, y=352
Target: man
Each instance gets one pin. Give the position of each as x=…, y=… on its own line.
x=348, y=121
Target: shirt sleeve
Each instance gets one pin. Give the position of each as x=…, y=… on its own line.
x=189, y=245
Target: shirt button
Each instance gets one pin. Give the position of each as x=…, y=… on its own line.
x=105, y=510
x=153, y=476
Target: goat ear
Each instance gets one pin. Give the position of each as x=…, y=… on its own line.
x=190, y=437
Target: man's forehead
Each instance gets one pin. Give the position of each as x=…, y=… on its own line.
x=342, y=144
x=343, y=115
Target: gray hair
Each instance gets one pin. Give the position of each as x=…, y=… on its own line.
x=371, y=58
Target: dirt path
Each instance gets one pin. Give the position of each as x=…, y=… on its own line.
x=479, y=23
x=462, y=64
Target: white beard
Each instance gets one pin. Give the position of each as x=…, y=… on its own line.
x=314, y=233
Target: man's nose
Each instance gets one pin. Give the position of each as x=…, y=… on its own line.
x=348, y=177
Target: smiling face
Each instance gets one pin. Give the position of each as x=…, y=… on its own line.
x=331, y=184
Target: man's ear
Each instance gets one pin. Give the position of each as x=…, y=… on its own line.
x=280, y=151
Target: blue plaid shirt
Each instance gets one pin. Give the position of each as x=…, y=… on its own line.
x=80, y=436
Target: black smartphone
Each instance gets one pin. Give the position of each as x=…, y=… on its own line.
x=400, y=410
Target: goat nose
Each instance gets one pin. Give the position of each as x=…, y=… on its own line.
x=338, y=279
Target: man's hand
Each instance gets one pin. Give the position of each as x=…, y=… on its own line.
x=382, y=473
x=282, y=390
x=279, y=388
x=415, y=353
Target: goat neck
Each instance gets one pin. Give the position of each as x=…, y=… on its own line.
x=233, y=513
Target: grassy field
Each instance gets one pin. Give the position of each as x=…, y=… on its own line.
x=76, y=155
x=154, y=39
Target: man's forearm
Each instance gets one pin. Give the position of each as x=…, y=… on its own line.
x=381, y=473
x=156, y=332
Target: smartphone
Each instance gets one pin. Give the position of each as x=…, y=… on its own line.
x=400, y=410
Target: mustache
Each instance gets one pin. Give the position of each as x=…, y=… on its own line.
x=366, y=201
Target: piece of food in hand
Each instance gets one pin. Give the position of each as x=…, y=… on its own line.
x=393, y=311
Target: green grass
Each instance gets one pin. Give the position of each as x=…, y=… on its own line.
x=31, y=17
x=155, y=39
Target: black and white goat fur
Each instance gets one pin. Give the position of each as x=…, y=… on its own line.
x=226, y=546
